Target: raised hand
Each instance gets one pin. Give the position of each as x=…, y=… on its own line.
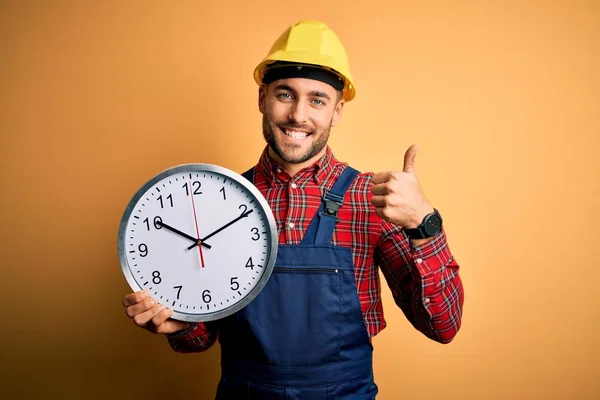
x=397, y=195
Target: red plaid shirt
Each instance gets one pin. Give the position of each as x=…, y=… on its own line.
x=424, y=280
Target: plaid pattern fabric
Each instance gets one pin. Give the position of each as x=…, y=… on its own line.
x=424, y=281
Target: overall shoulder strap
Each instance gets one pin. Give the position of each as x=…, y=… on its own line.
x=249, y=175
x=321, y=227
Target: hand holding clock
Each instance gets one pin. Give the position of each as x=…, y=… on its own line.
x=148, y=314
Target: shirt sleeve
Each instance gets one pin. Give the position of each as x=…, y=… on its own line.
x=424, y=282
x=197, y=338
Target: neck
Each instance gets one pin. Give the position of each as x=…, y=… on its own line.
x=293, y=168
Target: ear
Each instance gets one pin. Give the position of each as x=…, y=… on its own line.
x=262, y=95
x=337, y=113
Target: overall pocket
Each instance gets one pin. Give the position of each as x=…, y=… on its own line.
x=297, y=318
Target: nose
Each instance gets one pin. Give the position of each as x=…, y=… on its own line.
x=299, y=112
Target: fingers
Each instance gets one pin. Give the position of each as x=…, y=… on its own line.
x=144, y=317
x=384, y=206
x=409, y=167
x=140, y=307
x=381, y=177
x=379, y=201
x=409, y=159
x=147, y=313
x=135, y=298
x=162, y=315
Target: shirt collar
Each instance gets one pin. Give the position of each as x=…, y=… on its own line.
x=275, y=173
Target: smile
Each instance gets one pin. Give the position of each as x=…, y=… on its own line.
x=294, y=134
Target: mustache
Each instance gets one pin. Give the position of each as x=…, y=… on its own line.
x=297, y=127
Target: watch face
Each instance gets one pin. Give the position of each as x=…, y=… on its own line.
x=433, y=225
x=201, y=239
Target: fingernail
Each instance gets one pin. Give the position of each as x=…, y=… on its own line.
x=152, y=301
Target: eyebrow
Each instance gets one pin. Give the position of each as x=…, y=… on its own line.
x=315, y=93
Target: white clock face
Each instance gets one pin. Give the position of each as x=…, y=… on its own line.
x=201, y=239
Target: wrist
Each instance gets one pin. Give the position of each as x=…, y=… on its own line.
x=419, y=216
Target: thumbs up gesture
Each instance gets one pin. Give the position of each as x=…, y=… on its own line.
x=397, y=195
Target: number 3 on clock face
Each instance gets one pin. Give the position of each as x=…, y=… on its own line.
x=201, y=239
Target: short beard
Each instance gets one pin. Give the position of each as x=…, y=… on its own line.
x=315, y=149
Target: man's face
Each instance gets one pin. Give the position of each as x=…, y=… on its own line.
x=298, y=114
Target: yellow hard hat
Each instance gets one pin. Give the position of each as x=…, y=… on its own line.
x=313, y=43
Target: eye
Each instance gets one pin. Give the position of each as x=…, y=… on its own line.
x=284, y=96
x=319, y=102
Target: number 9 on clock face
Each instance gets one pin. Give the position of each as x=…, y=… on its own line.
x=201, y=239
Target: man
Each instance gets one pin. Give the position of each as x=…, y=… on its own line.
x=308, y=333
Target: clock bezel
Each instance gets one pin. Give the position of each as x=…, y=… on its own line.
x=248, y=186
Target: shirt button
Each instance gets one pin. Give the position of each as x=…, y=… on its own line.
x=293, y=185
x=427, y=300
x=291, y=225
x=419, y=260
x=278, y=170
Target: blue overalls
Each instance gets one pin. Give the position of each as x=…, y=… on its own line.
x=303, y=336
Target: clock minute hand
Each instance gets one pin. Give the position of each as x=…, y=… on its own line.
x=244, y=215
x=185, y=235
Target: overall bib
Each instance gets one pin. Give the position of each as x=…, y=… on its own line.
x=303, y=336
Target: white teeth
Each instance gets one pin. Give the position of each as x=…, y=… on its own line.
x=295, y=134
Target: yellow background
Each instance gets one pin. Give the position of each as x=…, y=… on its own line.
x=502, y=96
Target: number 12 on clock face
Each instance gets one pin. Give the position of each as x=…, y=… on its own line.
x=201, y=239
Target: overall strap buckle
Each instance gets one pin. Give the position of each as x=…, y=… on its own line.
x=332, y=204
x=320, y=230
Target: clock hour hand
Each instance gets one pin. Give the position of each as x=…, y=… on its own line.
x=185, y=235
x=244, y=215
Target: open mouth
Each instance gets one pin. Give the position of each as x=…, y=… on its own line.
x=295, y=134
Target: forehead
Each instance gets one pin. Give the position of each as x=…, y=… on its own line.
x=303, y=86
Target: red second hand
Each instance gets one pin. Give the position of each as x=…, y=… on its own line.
x=196, y=224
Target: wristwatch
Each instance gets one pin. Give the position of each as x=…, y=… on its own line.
x=431, y=226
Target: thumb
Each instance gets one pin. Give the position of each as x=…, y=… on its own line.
x=409, y=159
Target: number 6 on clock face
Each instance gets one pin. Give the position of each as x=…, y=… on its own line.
x=201, y=239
